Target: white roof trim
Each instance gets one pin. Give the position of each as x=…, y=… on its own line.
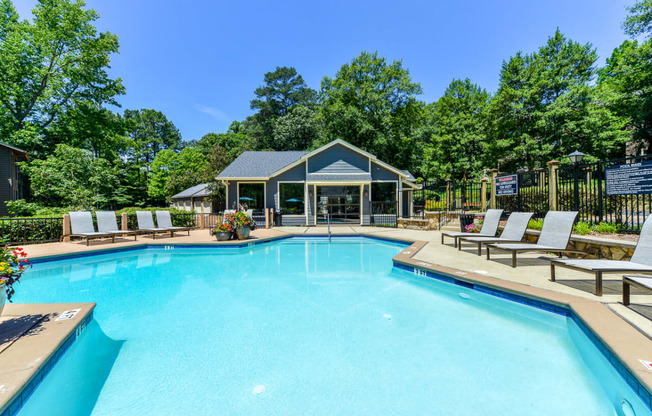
x=411, y=185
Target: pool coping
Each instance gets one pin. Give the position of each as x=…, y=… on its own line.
x=621, y=343
x=29, y=356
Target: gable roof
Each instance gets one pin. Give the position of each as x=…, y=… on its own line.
x=20, y=152
x=263, y=165
x=259, y=165
x=194, y=191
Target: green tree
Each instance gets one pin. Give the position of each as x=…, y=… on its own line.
x=50, y=65
x=455, y=149
x=373, y=105
x=151, y=132
x=639, y=20
x=283, y=89
x=627, y=81
x=297, y=130
x=541, y=100
x=168, y=163
x=72, y=177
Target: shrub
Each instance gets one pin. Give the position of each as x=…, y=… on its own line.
x=535, y=224
x=582, y=228
x=605, y=228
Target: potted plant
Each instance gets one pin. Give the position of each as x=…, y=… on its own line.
x=224, y=231
x=13, y=263
x=243, y=224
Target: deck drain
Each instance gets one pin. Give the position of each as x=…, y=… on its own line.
x=258, y=390
x=465, y=296
x=387, y=316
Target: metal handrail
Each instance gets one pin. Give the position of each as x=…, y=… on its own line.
x=328, y=221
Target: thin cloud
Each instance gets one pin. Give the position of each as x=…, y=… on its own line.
x=214, y=112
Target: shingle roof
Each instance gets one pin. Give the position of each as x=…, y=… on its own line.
x=195, y=191
x=409, y=175
x=259, y=164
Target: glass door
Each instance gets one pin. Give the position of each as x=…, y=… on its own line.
x=341, y=202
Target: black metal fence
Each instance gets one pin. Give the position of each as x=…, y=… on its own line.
x=15, y=231
x=581, y=187
x=532, y=196
x=384, y=214
x=448, y=195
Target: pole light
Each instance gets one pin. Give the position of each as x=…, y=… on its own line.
x=576, y=157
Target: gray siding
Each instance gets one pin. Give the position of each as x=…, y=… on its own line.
x=297, y=173
x=338, y=159
x=8, y=182
x=379, y=173
x=365, y=206
x=294, y=220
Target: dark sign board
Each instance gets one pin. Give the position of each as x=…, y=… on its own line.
x=629, y=179
x=507, y=185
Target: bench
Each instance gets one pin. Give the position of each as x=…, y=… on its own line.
x=641, y=282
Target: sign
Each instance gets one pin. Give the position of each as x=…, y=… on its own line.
x=629, y=179
x=65, y=315
x=507, y=185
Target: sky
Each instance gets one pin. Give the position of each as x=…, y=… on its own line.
x=199, y=61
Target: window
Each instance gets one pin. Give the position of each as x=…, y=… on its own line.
x=252, y=195
x=291, y=198
x=383, y=192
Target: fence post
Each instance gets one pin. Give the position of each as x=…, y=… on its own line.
x=449, y=199
x=202, y=220
x=66, y=227
x=494, y=173
x=267, y=218
x=483, y=193
x=552, y=184
x=600, y=203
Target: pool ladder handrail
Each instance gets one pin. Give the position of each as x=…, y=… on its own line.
x=328, y=221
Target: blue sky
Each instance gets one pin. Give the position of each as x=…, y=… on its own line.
x=199, y=63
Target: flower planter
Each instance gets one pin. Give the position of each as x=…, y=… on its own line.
x=243, y=232
x=223, y=235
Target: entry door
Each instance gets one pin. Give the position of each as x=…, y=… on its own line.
x=341, y=202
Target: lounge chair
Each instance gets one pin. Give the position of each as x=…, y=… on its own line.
x=641, y=282
x=107, y=223
x=641, y=261
x=513, y=232
x=146, y=224
x=554, y=237
x=164, y=220
x=489, y=226
x=81, y=225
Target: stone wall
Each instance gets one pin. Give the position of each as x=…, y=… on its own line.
x=595, y=247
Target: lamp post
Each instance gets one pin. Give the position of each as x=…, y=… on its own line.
x=576, y=157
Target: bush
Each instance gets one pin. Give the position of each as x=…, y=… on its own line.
x=582, y=228
x=535, y=224
x=605, y=228
x=23, y=209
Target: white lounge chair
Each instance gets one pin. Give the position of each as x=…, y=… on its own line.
x=554, y=237
x=146, y=224
x=81, y=225
x=641, y=261
x=641, y=282
x=107, y=223
x=489, y=227
x=164, y=220
x=512, y=233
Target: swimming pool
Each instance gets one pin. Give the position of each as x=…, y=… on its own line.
x=301, y=326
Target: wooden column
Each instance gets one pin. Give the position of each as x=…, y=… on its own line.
x=124, y=224
x=66, y=227
x=552, y=184
x=494, y=173
x=202, y=220
x=483, y=192
x=267, y=218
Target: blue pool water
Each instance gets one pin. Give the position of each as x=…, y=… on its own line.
x=327, y=329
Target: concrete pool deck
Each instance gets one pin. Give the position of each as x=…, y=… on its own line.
x=626, y=331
